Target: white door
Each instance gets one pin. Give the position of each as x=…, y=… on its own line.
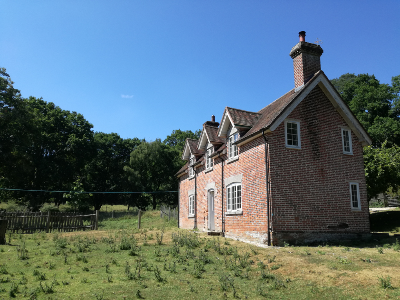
x=211, y=223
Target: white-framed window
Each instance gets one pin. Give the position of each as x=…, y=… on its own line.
x=191, y=206
x=355, y=196
x=232, y=149
x=346, y=141
x=234, y=197
x=209, y=161
x=292, y=134
x=191, y=168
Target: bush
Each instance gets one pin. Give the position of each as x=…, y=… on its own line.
x=65, y=207
x=46, y=207
x=12, y=206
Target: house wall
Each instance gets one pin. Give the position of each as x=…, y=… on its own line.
x=310, y=186
x=252, y=223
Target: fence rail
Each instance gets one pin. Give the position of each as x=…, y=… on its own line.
x=29, y=222
x=167, y=212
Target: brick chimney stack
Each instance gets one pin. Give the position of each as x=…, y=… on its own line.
x=306, y=60
x=212, y=118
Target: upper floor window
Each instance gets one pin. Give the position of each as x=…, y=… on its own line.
x=234, y=192
x=191, y=205
x=292, y=134
x=346, y=141
x=209, y=161
x=232, y=149
x=191, y=168
x=355, y=196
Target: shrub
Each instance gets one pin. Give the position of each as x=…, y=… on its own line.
x=46, y=207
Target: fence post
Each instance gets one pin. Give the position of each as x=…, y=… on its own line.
x=96, y=227
x=112, y=214
x=139, y=218
x=3, y=229
x=48, y=221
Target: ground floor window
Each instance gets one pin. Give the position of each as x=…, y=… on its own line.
x=355, y=196
x=234, y=193
x=191, y=206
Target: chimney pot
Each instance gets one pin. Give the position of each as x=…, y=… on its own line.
x=302, y=36
x=212, y=118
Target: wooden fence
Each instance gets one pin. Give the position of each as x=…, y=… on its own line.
x=166, y=211
x=30, y=222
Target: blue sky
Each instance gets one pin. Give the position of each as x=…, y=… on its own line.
x=144, y=68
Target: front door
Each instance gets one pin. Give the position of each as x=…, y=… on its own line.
x=211, y=225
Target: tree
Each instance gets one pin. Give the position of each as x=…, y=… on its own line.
x=376, y=105
x=382, y=166
x=178, y=137
x=105, y=171
x=152, y=168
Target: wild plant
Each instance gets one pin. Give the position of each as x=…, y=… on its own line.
x=5, y=280
x=112, y=249
x=344, y=260
x=204, y=257
x=39, y=276
x=261, y=265
x=22, y=252
x=108, y=268
x=84, y=280
x=114, y=261
x=346, y=249
x=159, y=237
x=157, y=252
x=3, y=269
x=226, y=242
x=99, y=296
x=60, y=243
x=277, y=284
x=125, y=244
x=225, y=282
x=275, y=267
x=85, y=269
x=367, y=260
x=157, y=274
x=139, y=294
x=320, y=252
x=13, y=290
x=135, y=249
x=145, y=243
x=109, y=279
x=244, y=261
x=254, y=250
x=380, y=250
x=23, y=280
x=81, y=258
x=51, y=266
x=396, y=245
x=47, y=289
x=385, y=282
x=267, y=276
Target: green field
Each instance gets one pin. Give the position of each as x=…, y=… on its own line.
x=161, y=261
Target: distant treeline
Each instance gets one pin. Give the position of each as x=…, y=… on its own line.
x=43, y=147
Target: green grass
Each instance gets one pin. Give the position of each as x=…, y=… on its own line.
x=161, y=261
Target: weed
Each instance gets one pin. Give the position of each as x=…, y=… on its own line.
x=13, y=290
x=51, y=266
x=109, y=279
x=23, y=280
x=380, y=250
x=3, y=269
x=271, y=260
x=108, y=268
x=22, y=252
x=159, y=237
x=267, y=276
x=39, y=276
x=285, y=244
x=84, y=280
x=85, y=269
x=225, y=282
x=157, y=274
x=61, y=243
x=99, y=296
x=343, y=260
x=396, y=245
x=226, y=242
x=275, y=267
x=254, y=250
x=367, y=260
x=385, y=282
x=5, y=280
x=47, y=289
x=346, y=249
x=139, y=294
x=320, y=252
x=261, y=265
x=306, y=252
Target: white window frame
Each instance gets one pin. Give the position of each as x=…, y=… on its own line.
x=298, y=146
x=191, y=206
x=191, y=168
x=233, y=150
x=357, y=194
x=234, y=198
x=209, y=160
x=343, y=142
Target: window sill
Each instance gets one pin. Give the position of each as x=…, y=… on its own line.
x=355, y=209
x=348, y=153
x=208, y=170
x=234, y=212
x=191, y=177
x=232, y=159
x=191, y=216
x=291, y=147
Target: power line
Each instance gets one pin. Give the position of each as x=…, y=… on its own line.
x=83, y=192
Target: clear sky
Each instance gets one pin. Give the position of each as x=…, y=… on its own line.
x=144, y=68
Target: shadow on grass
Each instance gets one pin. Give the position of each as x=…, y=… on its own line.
x=385, y=221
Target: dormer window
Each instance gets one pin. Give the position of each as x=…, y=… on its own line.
x=209, y=161
x=191, y=168
x=232, y=149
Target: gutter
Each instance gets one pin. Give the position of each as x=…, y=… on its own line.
x=266, y=147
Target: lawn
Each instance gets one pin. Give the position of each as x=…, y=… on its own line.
x=161, y=261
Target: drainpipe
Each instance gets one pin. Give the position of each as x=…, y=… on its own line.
x=267, y=187
x=179, y=199
x=222, y=196
x=195, y=198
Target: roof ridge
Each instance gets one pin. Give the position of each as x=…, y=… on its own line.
x=253, y=112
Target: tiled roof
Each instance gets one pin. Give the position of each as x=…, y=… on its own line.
x=183, y=169
x=212, y=133
x=243, y=117
x=272, y=111
x=193, y=146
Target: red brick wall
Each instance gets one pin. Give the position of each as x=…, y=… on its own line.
x=305, y=66
x=310, y=187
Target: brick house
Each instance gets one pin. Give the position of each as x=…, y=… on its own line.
x=293, y=171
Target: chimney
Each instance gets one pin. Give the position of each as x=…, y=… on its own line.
x=306, y=60
x=212, y=118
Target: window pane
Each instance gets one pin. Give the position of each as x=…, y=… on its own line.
x=239, y=197
x=354, y=195
x=229, y=199
x=291, y=134
x=234, y=197
x=346, y=141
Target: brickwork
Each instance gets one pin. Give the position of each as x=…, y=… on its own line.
x=305, y=66
x=310, y=186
